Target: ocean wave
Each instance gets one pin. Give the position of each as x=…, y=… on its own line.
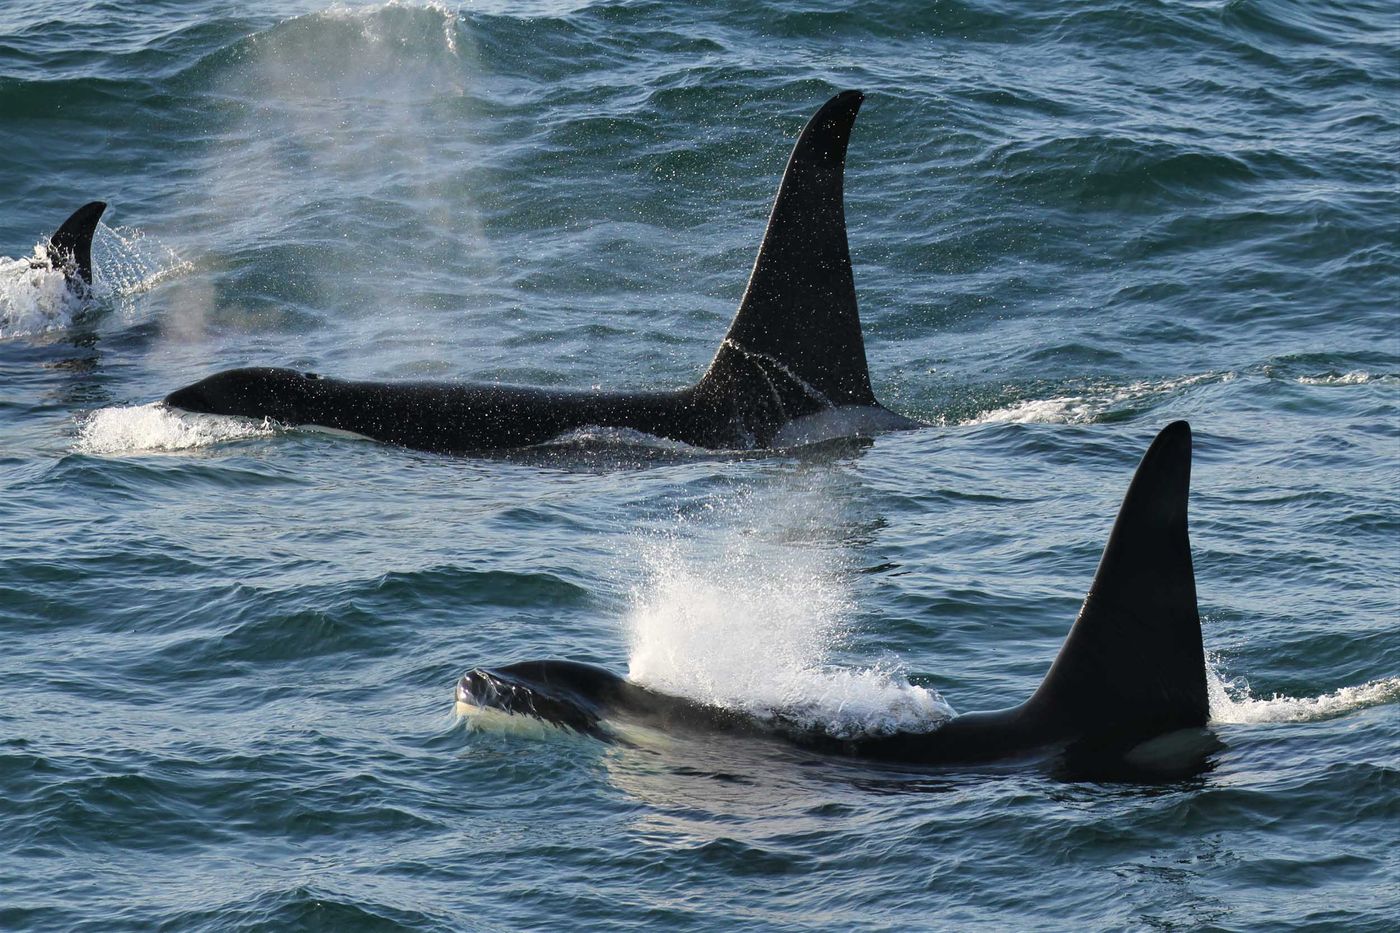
x=388, y=21
x=397, y=42
x=1116, y=170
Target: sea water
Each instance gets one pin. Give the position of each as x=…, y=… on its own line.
x=229, y=648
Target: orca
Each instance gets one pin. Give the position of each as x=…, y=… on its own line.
x=1132, y=668
x=69, y=250
x=792, y=368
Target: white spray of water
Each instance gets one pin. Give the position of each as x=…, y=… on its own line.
x=344, y=103
x=154, y=427
x=126, y=262
x=1232, y=702
x=35, y=298
x=750, y=624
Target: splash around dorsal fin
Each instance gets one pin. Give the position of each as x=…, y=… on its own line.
x=797, y=326
x=70, y=248
x=1133, y=664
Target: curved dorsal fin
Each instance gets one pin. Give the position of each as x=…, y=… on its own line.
x=799, y=311
x=1133, y=662
x=70, y=248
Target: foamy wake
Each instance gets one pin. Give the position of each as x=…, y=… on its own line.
x=1231, y=701
x=753, y=631
x=1091, y=405
x=155, y=427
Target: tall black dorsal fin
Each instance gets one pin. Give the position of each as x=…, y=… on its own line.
x=1133, y=662
x=70, y=248
x=799, y=311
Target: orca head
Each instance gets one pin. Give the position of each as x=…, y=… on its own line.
x=558, y=693
x=283, y=395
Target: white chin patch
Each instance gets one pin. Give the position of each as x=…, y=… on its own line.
x=846, y=421
x=498, y=721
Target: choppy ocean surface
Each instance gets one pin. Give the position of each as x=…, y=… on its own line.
x=229, y=649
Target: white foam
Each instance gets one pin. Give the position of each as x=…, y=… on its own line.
x=154, y=427
x=34, y=297
x=1068, y=410
x=755, y=629
x=368, y=15
x=1091, y=405
x=1232, y=702
x=1355, y=377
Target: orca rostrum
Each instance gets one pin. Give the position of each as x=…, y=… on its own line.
x=791, y=370
x=1131, y=669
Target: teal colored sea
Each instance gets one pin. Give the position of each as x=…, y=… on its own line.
x=228, y=648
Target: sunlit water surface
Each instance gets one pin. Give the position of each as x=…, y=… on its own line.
x=229, y=649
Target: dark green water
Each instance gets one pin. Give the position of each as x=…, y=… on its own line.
x=229, y=652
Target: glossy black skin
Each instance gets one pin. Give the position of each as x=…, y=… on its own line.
x=467, y=417
x=581, y=696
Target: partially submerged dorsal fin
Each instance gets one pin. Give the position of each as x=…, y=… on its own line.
x=70, y=248
x=1133, y=663
x=798, y=316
